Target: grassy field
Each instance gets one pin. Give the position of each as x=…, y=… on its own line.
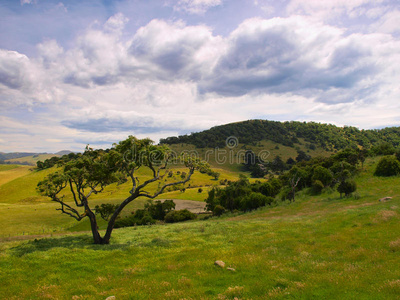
x=24, y=212
x=320, y=247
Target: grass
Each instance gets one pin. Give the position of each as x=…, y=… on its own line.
x=10, y=172
x=320, y=247
x=24, y=212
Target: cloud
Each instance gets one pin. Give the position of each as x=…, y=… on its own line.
x=388, y=23
x=196, y=6
x=13, y=66
x=28, y=2
x=174, y=50
x=298, y=56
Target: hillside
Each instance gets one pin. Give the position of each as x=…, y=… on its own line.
x=320, y=247
x=326, y=136
x=30, y=159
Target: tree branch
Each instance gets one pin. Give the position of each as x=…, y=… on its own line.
x=68, y=210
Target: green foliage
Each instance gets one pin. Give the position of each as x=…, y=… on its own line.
x=243, y=195
x=179, y=216
x=384, y=148
x=322, y=175
x=397, y=154
x=317, y=187
x=218, y=210
x=347, y=187
x=157, y=209
x=387, y=166
x=105, y=210
x=254, y=200
x=55, y=160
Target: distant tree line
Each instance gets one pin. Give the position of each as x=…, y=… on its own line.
x=314, y=174
x=56, y=160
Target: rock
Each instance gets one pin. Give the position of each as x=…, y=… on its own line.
x=384, y=199
x=231, y=269
x=219, y=263
x=110, y=298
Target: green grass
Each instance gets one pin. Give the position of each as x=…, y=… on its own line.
x=24, y=212
x=320, y=247
x=10, y=172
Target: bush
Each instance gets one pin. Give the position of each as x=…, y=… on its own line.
x=347, y=187
x=218, y=210
x=179, y=216
x=317, y=187
x=254, y=201
x=387, y=166
x=322, y=175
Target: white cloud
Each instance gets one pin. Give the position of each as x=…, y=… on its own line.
x=332, y=9
x=388, y=23
x=174, y=50
x=28, y=2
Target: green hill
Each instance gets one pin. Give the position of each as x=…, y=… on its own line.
x=326, y=136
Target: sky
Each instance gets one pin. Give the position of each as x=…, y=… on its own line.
x=94, y=72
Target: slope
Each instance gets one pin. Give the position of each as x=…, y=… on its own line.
x=320, y=247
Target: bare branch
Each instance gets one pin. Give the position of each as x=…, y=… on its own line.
x=145, y=194
x=68, y=210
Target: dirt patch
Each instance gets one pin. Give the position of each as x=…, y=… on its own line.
x=192, y=206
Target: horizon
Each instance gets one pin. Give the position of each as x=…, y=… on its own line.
x=158, y=142
x=74, y=72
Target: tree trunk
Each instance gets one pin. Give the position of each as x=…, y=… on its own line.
x=111, y=222
x=97, y=239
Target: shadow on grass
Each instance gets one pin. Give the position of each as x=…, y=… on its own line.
x=68, y=242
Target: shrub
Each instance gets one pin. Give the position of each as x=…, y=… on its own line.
x=200, y=190
x=322, y=175
x=179, y=216
x=347, y=187
x=387, y=166
x=254, y=201
x=317, y=187
x=218, y=210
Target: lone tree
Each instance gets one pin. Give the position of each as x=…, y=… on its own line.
x=91, y=172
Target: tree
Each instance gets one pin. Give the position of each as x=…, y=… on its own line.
x=387, y=166
x=323, y=175
x=347, y=187
x=91, y=172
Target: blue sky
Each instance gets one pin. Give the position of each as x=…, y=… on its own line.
x=93, y=72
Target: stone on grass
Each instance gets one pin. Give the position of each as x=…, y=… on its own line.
x=384, y=199
x=231, y=269
x=219, y=263
x=110, y=298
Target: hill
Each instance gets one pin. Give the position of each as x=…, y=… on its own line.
x=327, y=136
x=30, y=160
x=16, y=155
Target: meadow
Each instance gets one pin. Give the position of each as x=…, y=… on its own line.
x=320, y=247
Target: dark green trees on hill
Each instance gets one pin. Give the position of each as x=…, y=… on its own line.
x=326, y=136
x=387, y=166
